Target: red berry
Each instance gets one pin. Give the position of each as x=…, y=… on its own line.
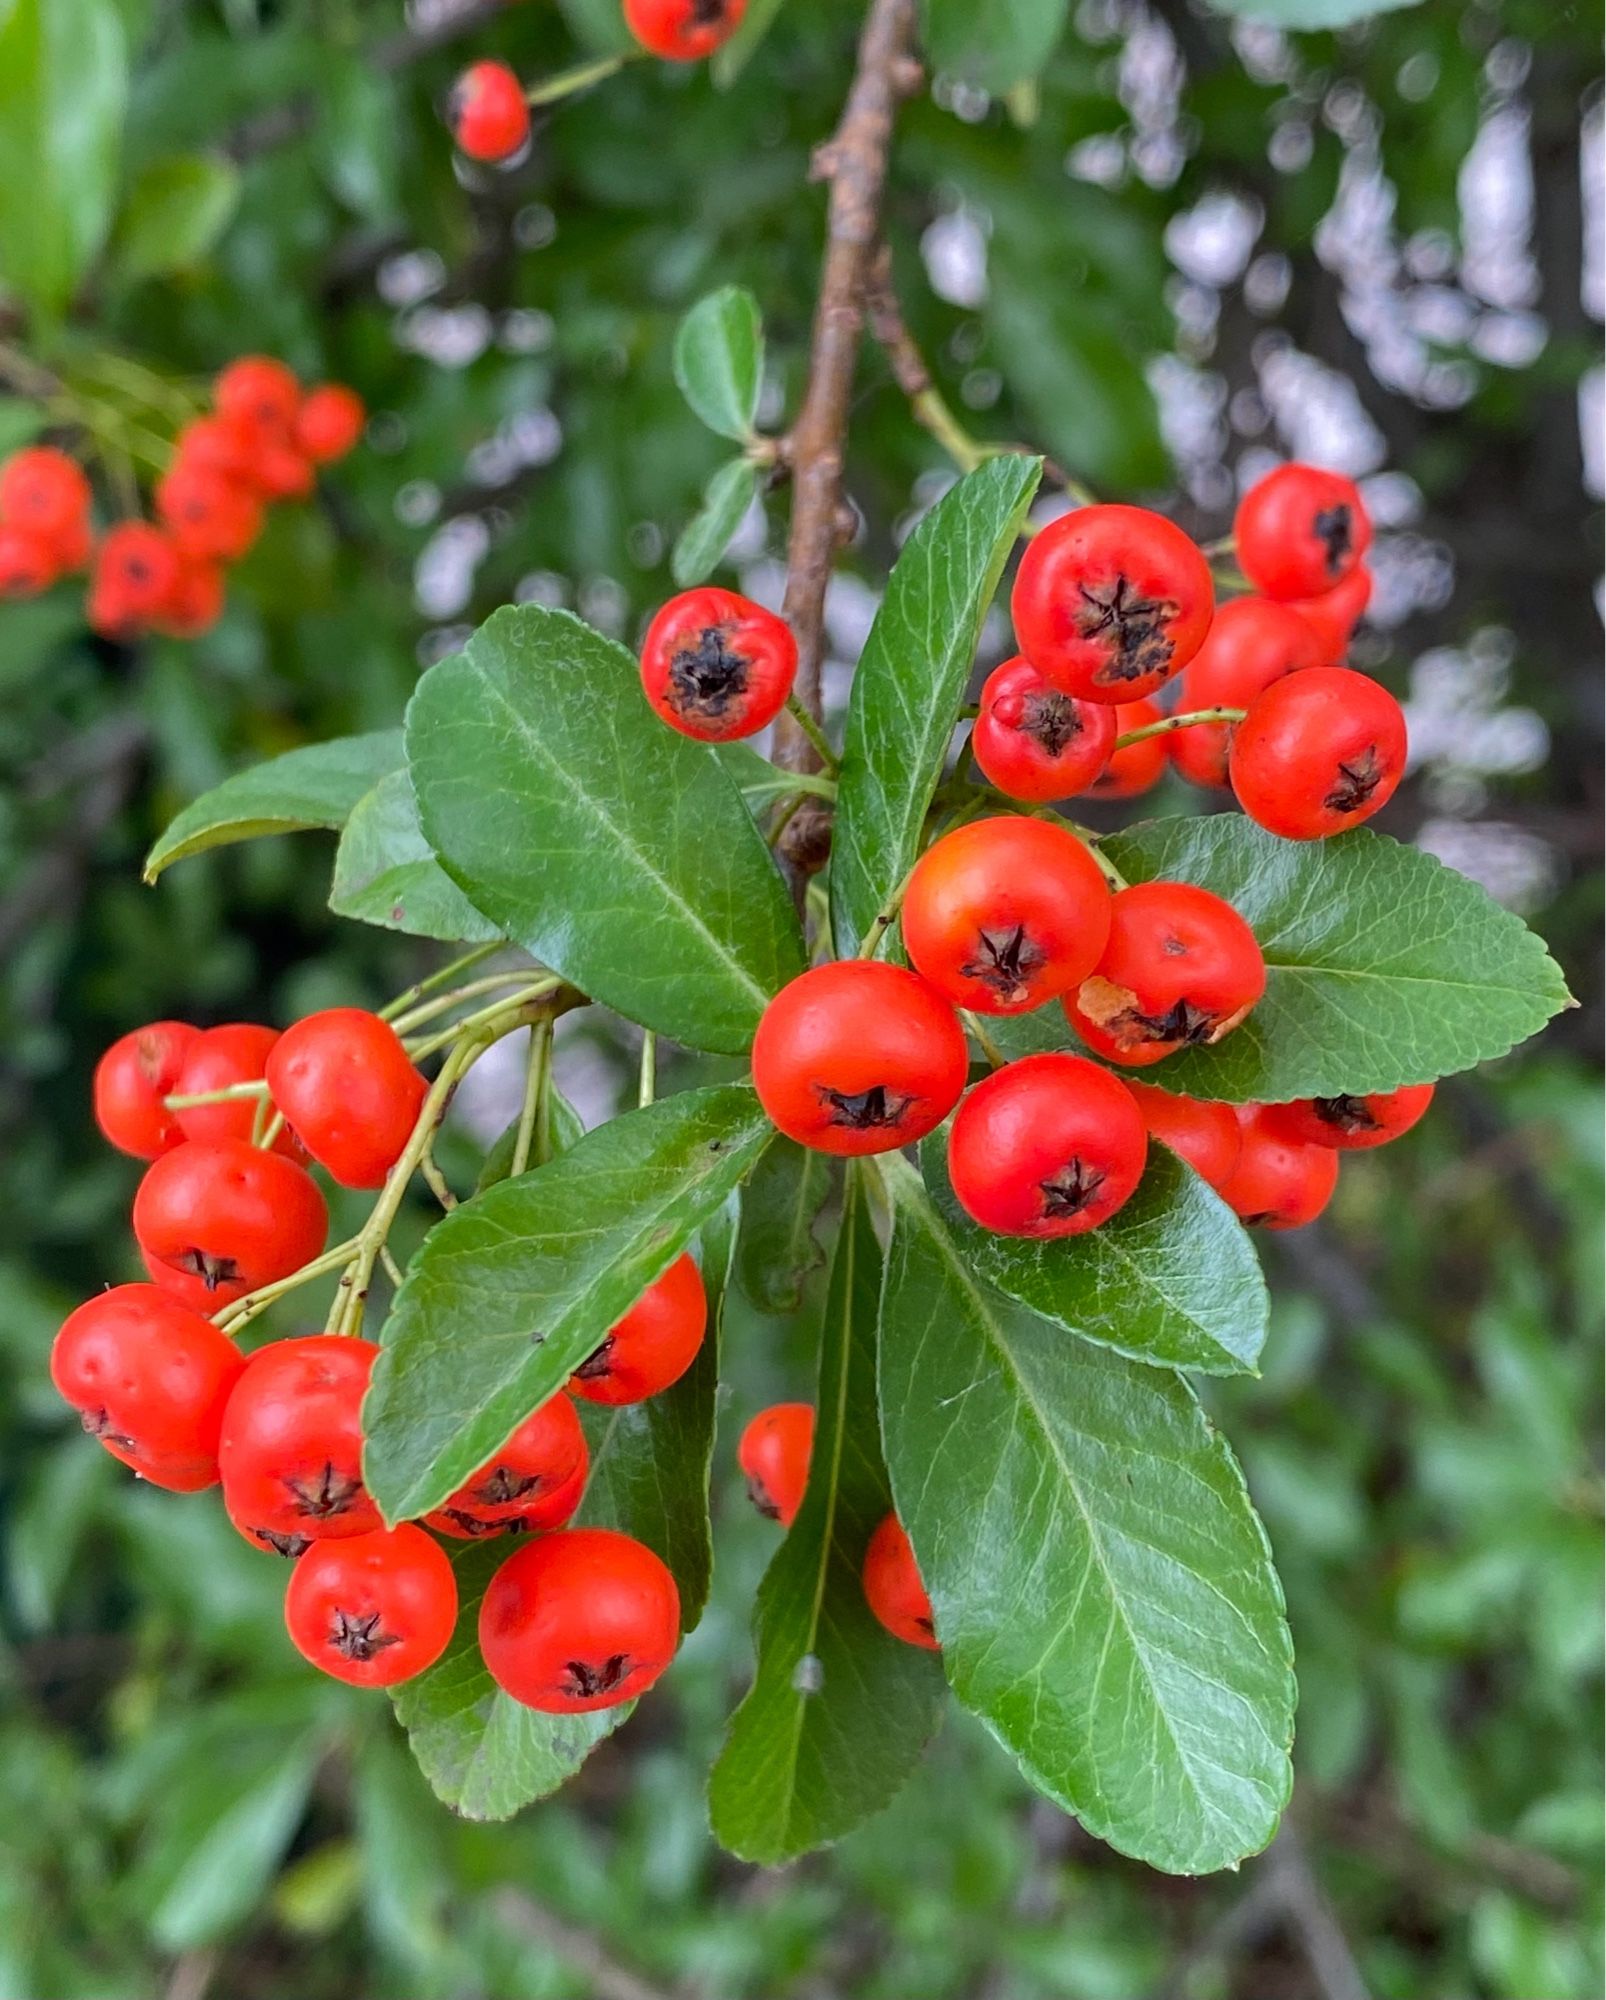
x=1318, y=753
x=219, y=449
x=487, y=113
x=892, y=1586
x=279, y=471
x=216, y=1219
x=44, y=493
x=291, y=1450
x=1048, y=1146
x=653, y=1345
x=374, y=1610
x=1206, y=1135
x=150, y=1379
x=717, y=666
x=1181, y=968
x=1140, y=766
x=209, y=516
x=1278, y=1183
x=28, y=563
x=1300, y=531
x=196, y=603
x=215, y=1060
x=580, y=1620
x=1334, y=615
x=135, y=577
x=259, y=393
x=683, y=30
x=349, y=1092
x=534, y=1482
x=774, y=1455
x=859, y=1057
x=1035, y=743
x=131, y=1080
x=1252, y=643
x=1003, y=914
x=1354, y=1124
x=1110, y=602
x=329, y=422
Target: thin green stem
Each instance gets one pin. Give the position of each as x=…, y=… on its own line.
x=441, y=977
x=228, y=1093
x=443, y=1003
x=989, y=1047
x=242, y=1311
x=816, y=735
x=649, y=1070
x=884, y=918
x=1090, y=840
x=1189, y=719
x=1216, y=551
x=270, y=1131
x=789, y=811
x=537, y=1074
x=930, y=410
x=393, y=1270
x=435, y=1180
x=508, y=1006
x=581, y=77
x=144, y=384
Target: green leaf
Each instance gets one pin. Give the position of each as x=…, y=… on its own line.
x=993, y=43
x=611, y=848
x=512, y=1291
x=719, y=361
x=732, y=57
x=839, y=1710
x=485, y=1754
x=759, y=781
x=600, y=26
x=176, y=210
x=1171, y=1279
x=1102, y=1587
x=650, y=1462
x=706, y=536
x=1310, y=13
x=561, y=1130
x=316, y=786
x=777, y=1250
x=1383, y=966
x=910, y=684
x=21, y=421
x=386, y=872
x=63, y=95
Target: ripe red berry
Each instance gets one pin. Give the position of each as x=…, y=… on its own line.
x=653, y=1345
x=44, y=493
x=535, y=1482
x=222, y=450
x=329, y=422
x=1252, y=642
x=717, y=666
x=349, y=1092
x=196, y=602
x=132, y=1078
x=1035, y=743
x=28, y=563
x=683, y=30
x=1110, y=602
x=150, y=1379
x=580, y=1620
x=1334, y=615
x=1300, y=531
x=1354, y=1124
x=216, y=1060
x=1003, y=914
x=135, y=577
x=1181, y=968
x=1140, y=766
x=210, y=517
x=1206, y=1135
x=1048, y=1146
x=1318, y=753
x=774, y=1455
x=859, y=1057
x=258, y=394
x=892, y=1586
x=374, y=1610
x=216, y=1219
x=279, y=471
x=487, y=112
x=1278, y=1183
x=290, y=1454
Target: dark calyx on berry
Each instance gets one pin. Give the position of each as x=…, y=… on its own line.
x=869, y=1110
x=1358, y=779
x=1051, y=720
x=1071, y=1189
x=476, y=1524
x=706, y=678
x=1347, y=1114
x=758, y=1493
x=708, y=13
x=1182, y=1022
x=1005, y=962
x=98, y=1423
x=1135, y=627
x=212, y=1271
x=1334, y=528
x=598, y=1365
x=585, y=1680
x=360, y=1638
x=282, y=1545
x=503, y=1486
x=332, y=1492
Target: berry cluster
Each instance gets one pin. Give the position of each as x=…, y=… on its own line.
x=228, y=1217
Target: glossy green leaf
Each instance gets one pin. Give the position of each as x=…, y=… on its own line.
x=1172, y=1278
x=1102, y=1588
x=910, y=684
x=1383, y=966
x=512, y=1290
x=732, y=57
x=600, y=26
x=993, y=43
x=613, y=849
x=719, y=360
x=1310, y=13
x=63, y=94
x=706, y=536
x=777, y=1249
x=386, y=872
x=176, y=210
x=316, y=786
x=839, y=1710
x=485, y=1754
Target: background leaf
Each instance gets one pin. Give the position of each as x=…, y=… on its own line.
x=777, y=1249
x=175, y=212
x=719, y=360
x=993, y=43
x=706, y=536
x=386, y=872
x=1310, y=13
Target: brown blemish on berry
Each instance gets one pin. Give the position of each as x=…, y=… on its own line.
x=504, y=1486
x=1004, y=963
x=708, y=13
x=330, y=1493
x=598, y=1364
x=1115, y=1009
x=1334, y=528
x=98, y=1424
x=1134, y=628
x=873, y=1110
x=281, y=1545
x=1358, y=778
x=1260, y=1216
x=1051, y=720
x=758, y=1493
x=360, y=1638
x=584, y=1680
x=1346, y=1114
x=212, y=1271
x=707, y=679
x=472, y=1524
x=1070, y=1190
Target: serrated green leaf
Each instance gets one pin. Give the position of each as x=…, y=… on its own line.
x=706, y=536
x=732, y=57
x=839, y=1710
x=719, y=361
x=1102, y=1587
x=612, y=849
x=176, y=210
x=1172, y=1278
x=1310, y=13
x=993, y=43
x=386, y=872
x=511, y=1291
x=316, y=786
x=910, y=684
x=777, y=1249
x=485, y=1754
x=1383, y=966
